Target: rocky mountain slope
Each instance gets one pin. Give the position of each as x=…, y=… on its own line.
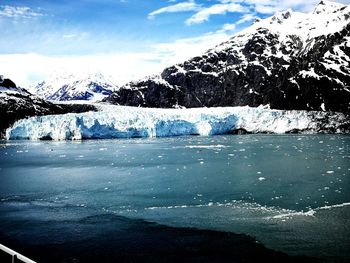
x=17, y=103
x=290, y=61
x=91, y=87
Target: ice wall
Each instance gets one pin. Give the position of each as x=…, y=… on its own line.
x=128, y=122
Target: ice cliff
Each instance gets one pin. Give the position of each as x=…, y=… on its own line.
x=129, y=122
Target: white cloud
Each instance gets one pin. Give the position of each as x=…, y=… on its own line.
x=183, y=49
x=28, y=69
x=272, y=6
x=69, y=36
x=217, y=9
x=246, y=18
x=222, y=7
x=179, y=7
x=18, y=12
x=258, y=6
x=266, y=9
x=76, y=36
x=227, y=28
x=300, y=5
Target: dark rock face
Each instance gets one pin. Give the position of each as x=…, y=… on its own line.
x=17, y=103
x=288, y=73
x=7, y=83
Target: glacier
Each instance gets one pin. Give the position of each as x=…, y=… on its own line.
x=113, y=121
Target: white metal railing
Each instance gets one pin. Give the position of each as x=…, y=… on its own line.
x=15, y=255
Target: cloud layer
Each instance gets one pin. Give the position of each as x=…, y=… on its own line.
x=202, y=12
x=179, y=7
x=218, y=9
x=18, y=12
x=27, y=69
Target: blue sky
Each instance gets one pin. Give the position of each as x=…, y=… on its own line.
x=122, y=38
x=101, y=26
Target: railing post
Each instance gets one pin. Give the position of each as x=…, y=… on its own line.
x=15, y=255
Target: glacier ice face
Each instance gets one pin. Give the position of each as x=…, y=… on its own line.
x=129, y=122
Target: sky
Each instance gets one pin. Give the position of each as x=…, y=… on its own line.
x=122, y=39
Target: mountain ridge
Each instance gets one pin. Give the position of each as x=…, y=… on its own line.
x=92, y=87
x=291, y=61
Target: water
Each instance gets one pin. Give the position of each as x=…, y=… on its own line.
x=292, y=193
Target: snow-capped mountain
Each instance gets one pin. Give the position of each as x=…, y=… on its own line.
x=17, y=103
x=291, y=60
x=93, y=87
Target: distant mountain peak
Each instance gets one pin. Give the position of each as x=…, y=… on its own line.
x=82, y=86
x=327, y=7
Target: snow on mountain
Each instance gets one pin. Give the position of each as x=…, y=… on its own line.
x=291, y=61
x=327, y=18
x=93, y=87
x=127, y=122
x=327, y=7
x=17, y=103
x=8, y=88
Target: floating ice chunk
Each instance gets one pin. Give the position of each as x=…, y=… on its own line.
x=205, y=146
x=333, y=206
x=294, y=213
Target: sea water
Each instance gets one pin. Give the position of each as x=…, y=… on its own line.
x=290, y=192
